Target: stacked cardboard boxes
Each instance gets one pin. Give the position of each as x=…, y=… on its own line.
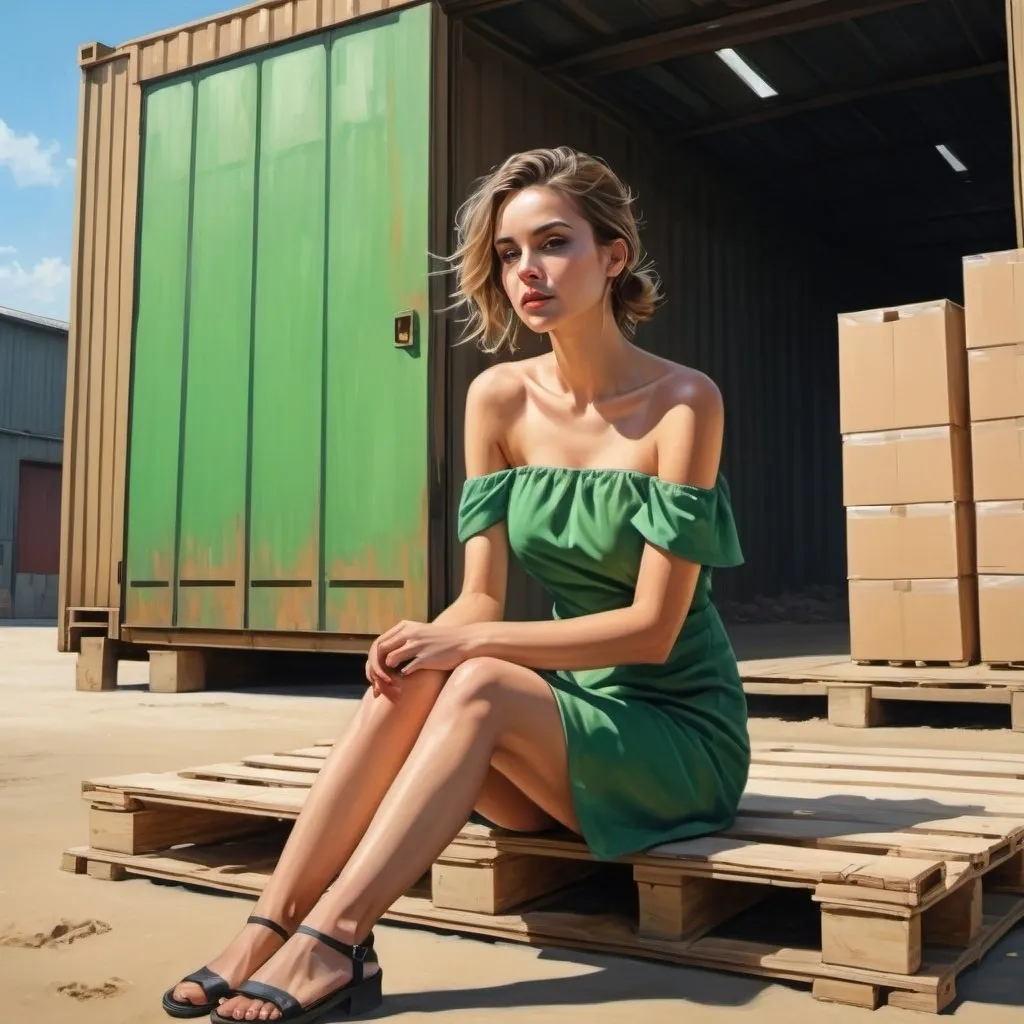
x=994, y=300
x=907, y=484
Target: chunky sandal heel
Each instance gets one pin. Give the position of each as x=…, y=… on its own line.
x=362, y=994
x=368, y=998
x=214, y=987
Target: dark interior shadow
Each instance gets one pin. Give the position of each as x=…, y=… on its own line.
x=789, y=640
x=897, y=713
x=787, y=709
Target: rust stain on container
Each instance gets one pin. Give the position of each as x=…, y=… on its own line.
x=205, y=600
x=377, y=606
x=150, y=602
x=285, y=596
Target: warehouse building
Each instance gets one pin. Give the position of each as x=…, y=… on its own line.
x=794, y=160
x=33, y=357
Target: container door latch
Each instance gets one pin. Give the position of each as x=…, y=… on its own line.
x=404, y=330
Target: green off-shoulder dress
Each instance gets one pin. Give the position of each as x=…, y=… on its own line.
x=657, y=752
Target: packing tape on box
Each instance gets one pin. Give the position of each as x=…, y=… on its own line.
x=999, y=508
x=1000, y=582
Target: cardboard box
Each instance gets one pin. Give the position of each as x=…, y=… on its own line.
x=903, y=367
x=996, y=379
x=1000, y=539
x=910, y=542
x=997, y=458
x=994, y=298
x=914, y=620
x=904, y=467
x=1001, y=610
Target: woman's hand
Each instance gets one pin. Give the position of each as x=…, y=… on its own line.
x=382, y=680
x=416, y=646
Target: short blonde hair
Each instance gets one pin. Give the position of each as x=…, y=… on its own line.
x=604, y=202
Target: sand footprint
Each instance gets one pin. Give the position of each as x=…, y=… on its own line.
x=77, y=990
x=64, y=933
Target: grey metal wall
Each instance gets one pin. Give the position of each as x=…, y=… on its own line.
x=750, y=301
x=33, y=361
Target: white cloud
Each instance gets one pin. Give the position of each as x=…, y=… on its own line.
x=7, y=250
x=29, y=161
x=71, y=162
x=44, y=288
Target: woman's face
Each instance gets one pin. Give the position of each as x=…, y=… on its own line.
x=552, y=268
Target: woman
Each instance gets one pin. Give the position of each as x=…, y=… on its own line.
x=598, y=464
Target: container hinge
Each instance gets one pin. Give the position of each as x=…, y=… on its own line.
x=120, y=575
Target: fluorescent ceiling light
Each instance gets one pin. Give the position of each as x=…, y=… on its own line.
x=952, y=159
x=744, y=71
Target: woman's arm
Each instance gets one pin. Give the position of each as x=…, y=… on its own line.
x=689, y=444
x=490, y=402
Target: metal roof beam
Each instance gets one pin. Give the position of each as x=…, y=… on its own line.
x=838, y=99
x=778, y=19
x=466, y=8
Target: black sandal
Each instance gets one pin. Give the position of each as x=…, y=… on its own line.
x=214, y=987
x=358, y=996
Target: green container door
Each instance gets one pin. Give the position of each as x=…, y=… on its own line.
x=278, y=475
x=160, y=333
x=289, y=344
x=375, y=529
x=211, y=556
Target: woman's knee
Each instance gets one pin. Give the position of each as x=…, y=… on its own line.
x=476, y=683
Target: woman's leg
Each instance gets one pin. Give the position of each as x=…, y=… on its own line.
x=347, y=792
x=490, y=713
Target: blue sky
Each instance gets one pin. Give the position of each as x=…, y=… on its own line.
x=39, y=80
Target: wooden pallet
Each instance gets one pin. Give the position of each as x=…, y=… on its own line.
x=857, y=692
x=904, y=868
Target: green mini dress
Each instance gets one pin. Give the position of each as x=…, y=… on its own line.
x=657, y=752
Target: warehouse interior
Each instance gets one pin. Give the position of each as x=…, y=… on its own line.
x=875, y=135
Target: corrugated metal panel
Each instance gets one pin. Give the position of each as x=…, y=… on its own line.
x=246, y=28
x=33, y=363
x=14, y=451
x=749, y=302
x=99, y=356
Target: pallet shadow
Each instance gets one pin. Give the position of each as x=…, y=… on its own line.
x=999, y=979
x=612, y=979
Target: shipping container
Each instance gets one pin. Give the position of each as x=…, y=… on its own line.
x=264, y=415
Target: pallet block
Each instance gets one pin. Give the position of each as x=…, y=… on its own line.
x=461, y=879
x=177, y=671
x=96, y=664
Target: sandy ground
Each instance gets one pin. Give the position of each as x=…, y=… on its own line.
x=134, y=938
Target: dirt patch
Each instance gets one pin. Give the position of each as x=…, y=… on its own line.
x=83, y=993
x=64, y=933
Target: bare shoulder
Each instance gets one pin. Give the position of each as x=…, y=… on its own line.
x=494, y=403
x=686, y=392
x=500, y=388
x=690, y=422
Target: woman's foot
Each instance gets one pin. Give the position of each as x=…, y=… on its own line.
x=254, y=945
x=303, y=967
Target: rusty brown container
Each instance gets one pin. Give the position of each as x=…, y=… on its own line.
x=750, y=300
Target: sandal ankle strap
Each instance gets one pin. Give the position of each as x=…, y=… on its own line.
x=357, y=954
x=267, y=923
